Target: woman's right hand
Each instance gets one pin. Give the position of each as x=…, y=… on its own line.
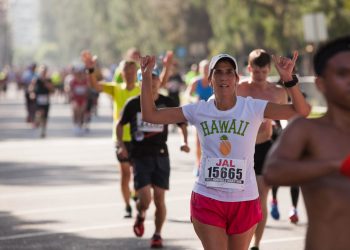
x=147, y=64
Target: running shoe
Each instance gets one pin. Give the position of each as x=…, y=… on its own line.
x=274, y=210
x=156, y=241
x=254, y=248
x=128, y=211
x=139, y=228
x=293, y=216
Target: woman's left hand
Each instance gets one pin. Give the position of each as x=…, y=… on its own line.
x=285, y=66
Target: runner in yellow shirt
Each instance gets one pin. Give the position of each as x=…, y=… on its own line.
x=120, y=93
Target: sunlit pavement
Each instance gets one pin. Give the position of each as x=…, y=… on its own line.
x=62, y=192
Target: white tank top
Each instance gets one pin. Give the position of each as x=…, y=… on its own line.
x=227, y=141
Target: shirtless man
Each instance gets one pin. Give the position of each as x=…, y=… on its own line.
x=259, y=66
x=311, y=152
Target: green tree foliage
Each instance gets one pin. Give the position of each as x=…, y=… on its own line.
x=69, y=24
x=203, y=27
x=109, y=28
x=275, y=25
x=244, y=25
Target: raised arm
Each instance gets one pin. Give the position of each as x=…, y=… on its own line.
x=90, y=65
x=299, y=105
x=167, y=62
x=287, y=162
x=149, y=111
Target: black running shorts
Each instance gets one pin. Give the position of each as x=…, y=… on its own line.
x=154, y=170
x=261, y=151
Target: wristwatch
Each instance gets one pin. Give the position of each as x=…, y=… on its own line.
x=292, y=82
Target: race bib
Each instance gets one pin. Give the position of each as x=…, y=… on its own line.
x=80, y=90
x=225, y=173
x=42, y=99
x=148, y=127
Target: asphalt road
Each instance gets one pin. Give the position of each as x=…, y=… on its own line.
x=62, y=192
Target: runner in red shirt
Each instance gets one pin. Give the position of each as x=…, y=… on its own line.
x=79, y=97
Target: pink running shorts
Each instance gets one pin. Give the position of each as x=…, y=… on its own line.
x=235, y=217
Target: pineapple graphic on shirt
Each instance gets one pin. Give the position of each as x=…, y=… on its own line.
x=225, y=145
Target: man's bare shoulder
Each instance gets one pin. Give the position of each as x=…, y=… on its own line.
x=322, y=122
x=324, y=138
x=268, y=91
x=302, y=129
x=269, y=85
x=303, y=123
x=243, y=84
x=276, y=87
x=297, y=125
x=243, y=89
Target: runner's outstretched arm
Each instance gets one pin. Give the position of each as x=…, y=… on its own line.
x=167, y=63
x=90, y=63
x=288, y=164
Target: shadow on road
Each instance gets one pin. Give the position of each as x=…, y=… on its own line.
x=17, y=233
x=39, y=174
